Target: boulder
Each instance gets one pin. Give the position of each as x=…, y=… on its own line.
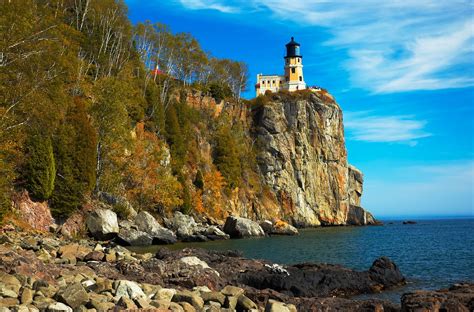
x=74, y=251
x=192, y=261
x=128, y=289
x=267, y=226
x=59, y=307
x=283, y=228
x=183, y=225
x=189, y=297
x=276, y=306
x=214, y=233
x=102, y=224
x=145, y=222
x=238, y=227
x=386, y=272
x=73, y=295
x=133, y=237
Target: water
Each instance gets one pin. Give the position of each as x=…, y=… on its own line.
x=432, y=254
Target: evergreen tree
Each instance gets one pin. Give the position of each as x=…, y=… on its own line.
x=75, y=155
x=40, y=169
x=227, y=156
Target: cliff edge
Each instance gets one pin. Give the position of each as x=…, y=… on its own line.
x=302, y=157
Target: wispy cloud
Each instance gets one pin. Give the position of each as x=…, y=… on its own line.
x=363, y=126
x=209, y=5
x=392, y=46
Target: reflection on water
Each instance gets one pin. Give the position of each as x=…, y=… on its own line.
x=431, y=254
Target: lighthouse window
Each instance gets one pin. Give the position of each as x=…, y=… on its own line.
x=301, y=78
x=298, y=60
x=263, y=81
x=273, y=81
x=293, y=70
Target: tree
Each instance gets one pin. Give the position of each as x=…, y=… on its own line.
x=227, y=156
x=40, y=168
x=150, y=185
x=112, y=122
x=75, y=147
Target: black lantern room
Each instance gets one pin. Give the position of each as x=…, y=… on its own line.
x=293, y=49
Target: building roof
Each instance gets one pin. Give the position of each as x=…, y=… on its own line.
x=292, y=42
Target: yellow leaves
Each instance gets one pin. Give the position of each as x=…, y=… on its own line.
x=150, y=185
x=214, y=184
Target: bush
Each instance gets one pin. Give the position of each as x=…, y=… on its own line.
x=219, y=91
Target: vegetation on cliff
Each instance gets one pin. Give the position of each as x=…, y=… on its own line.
x=91, y=103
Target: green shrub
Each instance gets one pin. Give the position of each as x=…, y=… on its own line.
x=40, y=168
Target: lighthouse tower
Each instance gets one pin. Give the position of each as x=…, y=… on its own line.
x=294, y=67
x=293, y=78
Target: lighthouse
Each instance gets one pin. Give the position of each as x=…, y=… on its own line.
x=292, y=80
x=294, y=67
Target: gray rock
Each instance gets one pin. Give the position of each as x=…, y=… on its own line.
x=240, y=227
x=133, y=237
x=184, y=225
x=102, y=223
x=59, y=307
x=128, y=289
x=302, y=158
x=147, y=223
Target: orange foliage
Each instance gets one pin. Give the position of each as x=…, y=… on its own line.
x=150, y=185
x=214, y=184
x=197, y=202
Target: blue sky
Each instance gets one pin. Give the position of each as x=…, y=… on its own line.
x=402, y=72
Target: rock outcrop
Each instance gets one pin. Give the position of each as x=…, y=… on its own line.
x=459, y=297
x=302, y=157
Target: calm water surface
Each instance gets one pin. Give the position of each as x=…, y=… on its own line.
x=432, y=254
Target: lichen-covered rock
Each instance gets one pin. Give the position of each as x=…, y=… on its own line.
x=102, y=223
x=302, y=157
x=147, y=223
x=241, y=227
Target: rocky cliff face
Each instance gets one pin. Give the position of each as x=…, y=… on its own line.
x=303, y=159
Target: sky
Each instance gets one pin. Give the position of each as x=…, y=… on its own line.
x=402, y=71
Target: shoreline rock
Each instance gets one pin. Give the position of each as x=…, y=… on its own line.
x=48, y=273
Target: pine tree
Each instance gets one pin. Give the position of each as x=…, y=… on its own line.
x=75, y=155
x=40, y=168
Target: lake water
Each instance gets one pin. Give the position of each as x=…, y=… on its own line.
x=432, y=254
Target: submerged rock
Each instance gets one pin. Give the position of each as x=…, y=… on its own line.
x=102, y=224
x=238, y=227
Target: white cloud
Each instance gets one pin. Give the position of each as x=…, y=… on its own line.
x=393, y=46
x=362, y=126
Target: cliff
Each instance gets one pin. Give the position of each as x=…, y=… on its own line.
x=302, y=157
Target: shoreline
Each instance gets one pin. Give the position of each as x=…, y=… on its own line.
x=106, y=276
